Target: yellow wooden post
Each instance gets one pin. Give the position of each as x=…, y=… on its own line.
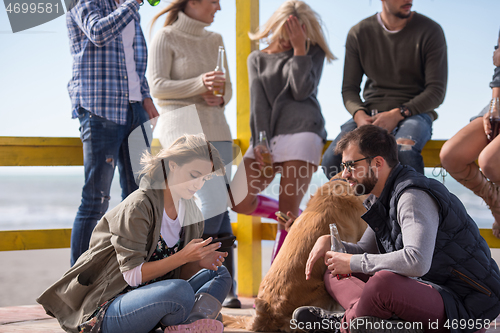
x=249, y=228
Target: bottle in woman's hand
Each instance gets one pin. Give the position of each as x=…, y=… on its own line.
x=220, y=85
x=494, y=118
x=266, y=154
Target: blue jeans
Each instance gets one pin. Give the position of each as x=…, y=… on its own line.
x=105, y=146
x=168, y=302
x=213, y=195
x=417, y=128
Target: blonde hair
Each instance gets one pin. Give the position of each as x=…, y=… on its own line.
x=172, y=11
x=185, y=149
x=274, y=28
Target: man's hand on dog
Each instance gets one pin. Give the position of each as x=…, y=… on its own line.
x=338, y=263
x=319, y=250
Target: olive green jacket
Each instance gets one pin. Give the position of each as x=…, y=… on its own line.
x=123, y=239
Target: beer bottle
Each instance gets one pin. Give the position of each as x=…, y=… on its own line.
x=337, y=246
x=219, y=91
x=266, y=154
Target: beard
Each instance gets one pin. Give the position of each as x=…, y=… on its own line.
x=402, y=16
x=367, y=184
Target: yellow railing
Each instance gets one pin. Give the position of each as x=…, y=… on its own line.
x=32, y=151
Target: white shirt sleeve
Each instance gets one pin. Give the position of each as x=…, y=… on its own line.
x=134, y=276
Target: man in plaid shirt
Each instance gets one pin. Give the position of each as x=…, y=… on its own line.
x=110, y=97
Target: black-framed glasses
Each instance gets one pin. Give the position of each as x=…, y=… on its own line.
x=349, y=165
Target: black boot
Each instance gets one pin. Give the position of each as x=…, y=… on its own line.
x=231, y=300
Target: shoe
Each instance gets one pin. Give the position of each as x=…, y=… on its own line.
x=312, y=319
x=199, y=326
x=205, y=307
x=232, y=302
x=266, y=207
x=368, y=324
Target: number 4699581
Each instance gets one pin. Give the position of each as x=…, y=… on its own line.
x=24, y=8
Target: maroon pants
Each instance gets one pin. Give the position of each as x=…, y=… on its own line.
x=386, y=294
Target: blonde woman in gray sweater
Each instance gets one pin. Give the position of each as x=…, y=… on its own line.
x=181, y=63
x=284, y=80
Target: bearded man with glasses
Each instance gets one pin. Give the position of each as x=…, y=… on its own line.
x=421, y=260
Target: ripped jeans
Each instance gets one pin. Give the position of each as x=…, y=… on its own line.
x=105, y=146
x=417, y=128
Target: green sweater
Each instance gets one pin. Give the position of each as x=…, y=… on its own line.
x=408, y=67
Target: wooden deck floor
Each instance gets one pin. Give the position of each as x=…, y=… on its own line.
x=32, y=318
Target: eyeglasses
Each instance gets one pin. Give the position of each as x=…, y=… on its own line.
x=349, y=165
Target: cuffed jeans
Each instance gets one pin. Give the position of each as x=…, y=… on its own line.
x=167, y=301
x=417, y=128
x=105, y=146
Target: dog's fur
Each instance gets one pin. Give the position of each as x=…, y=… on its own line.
x=284, y=288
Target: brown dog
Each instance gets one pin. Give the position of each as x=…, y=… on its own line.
x=284, y=288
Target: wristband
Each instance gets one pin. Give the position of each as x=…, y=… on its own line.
x=405, y=112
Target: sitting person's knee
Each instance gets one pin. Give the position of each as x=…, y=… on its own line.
x=448, y=156
x=382, y=280
x=405, y=144
x=489, y=168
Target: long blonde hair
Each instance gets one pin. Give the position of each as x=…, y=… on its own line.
x=274, y=28
x=185, y=149
x=172, y=11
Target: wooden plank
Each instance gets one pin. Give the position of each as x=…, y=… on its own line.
x=14, y=240
x=493, y=242
x=45, y=151
x=247, y=20
x=37, y=151
x=430, y=153
x=249, y=241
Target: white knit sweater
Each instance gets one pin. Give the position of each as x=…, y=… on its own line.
x=178, y=57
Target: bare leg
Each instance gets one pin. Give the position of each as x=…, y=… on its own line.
x=295, y=179
x=488, y=161
x=252, y=178
x=458, y=157
x=464, y=147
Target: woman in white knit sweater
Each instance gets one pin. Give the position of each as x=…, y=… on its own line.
x=181, y=63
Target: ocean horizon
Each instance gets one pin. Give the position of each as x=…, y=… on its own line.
x=48, y=197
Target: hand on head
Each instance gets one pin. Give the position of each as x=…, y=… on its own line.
x=297, y=35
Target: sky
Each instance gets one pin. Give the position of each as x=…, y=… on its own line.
x=35, y=65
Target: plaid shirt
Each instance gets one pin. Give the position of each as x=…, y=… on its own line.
x=99, y=80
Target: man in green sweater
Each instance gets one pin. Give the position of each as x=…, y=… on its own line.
x=403, y=54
